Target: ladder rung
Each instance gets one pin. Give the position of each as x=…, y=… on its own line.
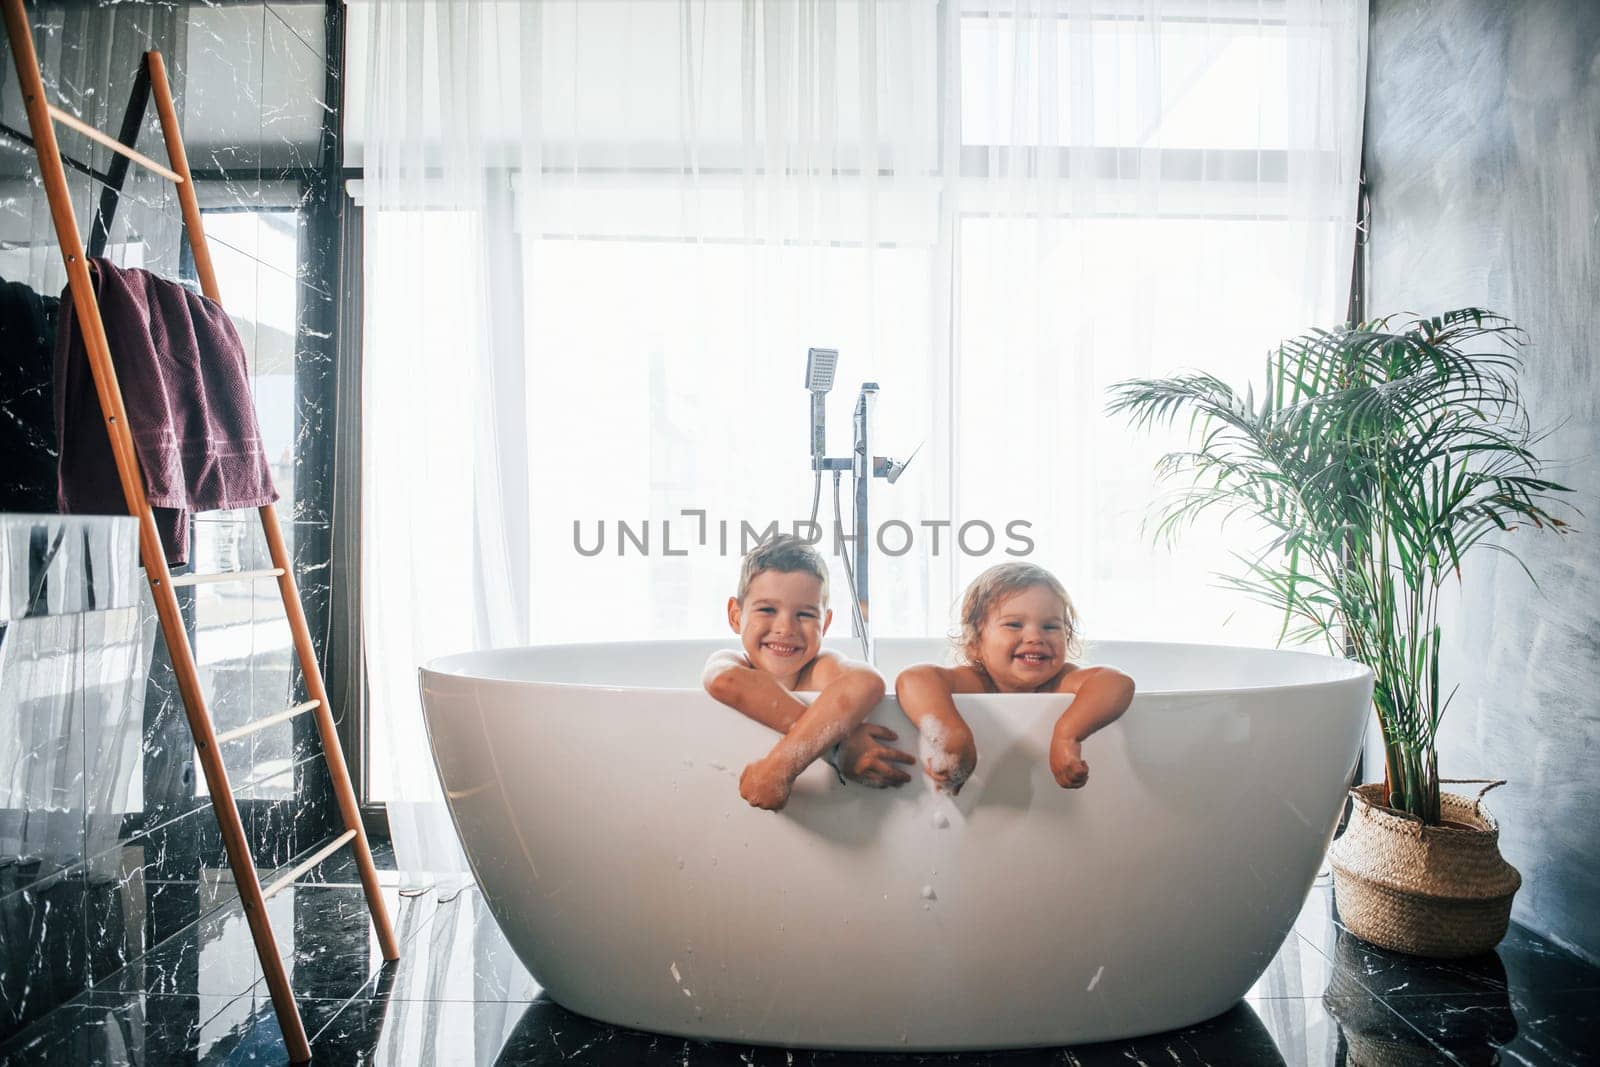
x=226, y=576
x=67, y=118
x=287, y=879
x=261, y=724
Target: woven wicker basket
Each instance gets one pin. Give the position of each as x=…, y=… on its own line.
x=1438, y=891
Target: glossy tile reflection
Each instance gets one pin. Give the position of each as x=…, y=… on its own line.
x=459, y=995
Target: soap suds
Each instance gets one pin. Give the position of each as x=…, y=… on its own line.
x=935, y=757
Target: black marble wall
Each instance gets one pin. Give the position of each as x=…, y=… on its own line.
x=1483, y=152
x=257, y=103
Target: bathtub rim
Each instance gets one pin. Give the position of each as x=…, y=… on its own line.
x=452, y=665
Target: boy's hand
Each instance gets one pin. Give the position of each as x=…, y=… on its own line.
x=949, y=754
x=1066, y=762
x=765, y=784
x=865, y=757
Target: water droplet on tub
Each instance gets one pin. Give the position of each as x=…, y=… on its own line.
x=941, y=821
x=680, y=863
x=713, y=861
x=928, y=893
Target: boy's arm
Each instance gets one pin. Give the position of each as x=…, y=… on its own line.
x=850, y=692
x=847, y=692
x=865, y=755
x=754, y=694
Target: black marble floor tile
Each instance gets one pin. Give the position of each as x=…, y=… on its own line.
x=1522, y=962
x=158, y=1029
x=542, y=1032
x=459, y=995
x=1543, y=1027
x=324, y=934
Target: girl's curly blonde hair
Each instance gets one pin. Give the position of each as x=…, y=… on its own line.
x=995, y=585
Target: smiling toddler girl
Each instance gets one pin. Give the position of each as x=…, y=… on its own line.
x=1018, y=627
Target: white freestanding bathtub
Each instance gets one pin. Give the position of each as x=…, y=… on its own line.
x=595, y=788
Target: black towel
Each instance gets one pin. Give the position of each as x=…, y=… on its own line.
x=181, y=368
x=27, y=423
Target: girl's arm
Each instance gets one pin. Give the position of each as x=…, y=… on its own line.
x=1100, y=696
x=927, y=696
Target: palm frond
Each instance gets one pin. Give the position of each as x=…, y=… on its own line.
x=1376, y=456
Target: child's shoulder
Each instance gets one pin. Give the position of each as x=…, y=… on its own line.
x=824, y=667
x=963, y=678
x=1071, y=676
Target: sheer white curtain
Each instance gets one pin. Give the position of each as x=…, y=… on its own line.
x=600, y=237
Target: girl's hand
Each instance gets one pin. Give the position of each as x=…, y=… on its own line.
x=1066, y=762
x=949, y=754
x=866, y=757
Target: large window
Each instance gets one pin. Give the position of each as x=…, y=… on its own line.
x=993, y=213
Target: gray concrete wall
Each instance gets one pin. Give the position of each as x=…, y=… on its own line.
x=1483, y=152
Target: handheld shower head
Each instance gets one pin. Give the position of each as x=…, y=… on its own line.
x=820, y=363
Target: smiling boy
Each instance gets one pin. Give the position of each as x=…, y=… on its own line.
x=780, y=613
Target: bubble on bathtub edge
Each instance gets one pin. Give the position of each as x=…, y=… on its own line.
x=941, y=821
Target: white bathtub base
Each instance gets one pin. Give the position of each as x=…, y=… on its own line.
x=606, y=830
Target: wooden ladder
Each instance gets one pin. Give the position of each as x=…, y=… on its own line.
x=41, y=118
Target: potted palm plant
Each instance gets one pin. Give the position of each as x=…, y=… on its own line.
x=1378, y=456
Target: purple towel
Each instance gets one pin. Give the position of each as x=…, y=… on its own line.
x=182, y=372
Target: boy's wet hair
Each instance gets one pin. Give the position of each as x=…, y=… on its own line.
x=786, y=554
x=996, y=584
